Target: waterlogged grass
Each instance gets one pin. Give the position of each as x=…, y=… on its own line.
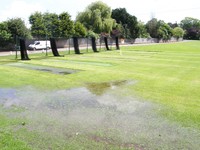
x=166, y=74
x=7, y=135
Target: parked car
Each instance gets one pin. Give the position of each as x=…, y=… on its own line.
x=40, y=45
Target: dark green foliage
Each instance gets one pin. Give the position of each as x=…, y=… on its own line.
x=66, y=25
x=5, y=36
x=159, y=29
x=173, y=25
x=152, y=27
x=192, y=28
x=11, y=30
x=16, y=27
x=37, y=25
x=143, y=30
x=128, y=22
x=51, y=25
x=164, y=30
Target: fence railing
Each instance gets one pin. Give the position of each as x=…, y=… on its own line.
x=87, y=42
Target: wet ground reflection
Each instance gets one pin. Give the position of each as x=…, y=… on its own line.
x=101, y=88
x=98, y=116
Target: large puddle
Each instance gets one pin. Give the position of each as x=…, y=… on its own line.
x=99, y=114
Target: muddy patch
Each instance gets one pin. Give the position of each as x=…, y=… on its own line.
x=103, y=117
x=61, y=71
x=101, y=88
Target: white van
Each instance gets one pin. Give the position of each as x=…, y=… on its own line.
x=40, y=45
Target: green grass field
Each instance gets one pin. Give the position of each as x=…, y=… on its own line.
x=164, y=74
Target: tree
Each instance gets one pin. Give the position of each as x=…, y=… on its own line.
x=16, y=27
x=128, y=21
x=164, y=30
x=80, y=30
x=119, y=31
x=159, y=29
x=152, y=27
x=97, y=18
x=5, y=36
x=120, y=15
x=66, y=25
x=173, y=25
x=43, y=25
x=92, y=34
x=142, y=30
x=178, y=32
x=37, y=25
x=51, y=25
x=191, y=27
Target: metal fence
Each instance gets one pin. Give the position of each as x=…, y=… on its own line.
x=87, y=42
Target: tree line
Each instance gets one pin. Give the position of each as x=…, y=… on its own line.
x=98, y=19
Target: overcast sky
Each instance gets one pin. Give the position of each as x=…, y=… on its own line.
x=167, y=10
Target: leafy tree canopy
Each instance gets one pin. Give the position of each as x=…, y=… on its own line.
x=189, y=22
x=159, y=29
x=37, y=25
x=152, y=27
x=17, y=27
x=142, y=30
x=66, y=25
x=164, y=30
x=80, y=30
x=5, y=37
x=178, y=32
x=97, y=18
x=128, y=21
x=51, y=25
x=192, y=28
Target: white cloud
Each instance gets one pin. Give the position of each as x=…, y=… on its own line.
x=20, y=9
x=169, y=11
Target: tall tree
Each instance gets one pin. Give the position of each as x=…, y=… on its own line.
x=159, y=29
x=152, y=27
x=5, y=36
x=192, y=28
x=17, y=27
x=97, y=18
x=66, y=25
x=178, y=32
x=37, y=25
x=142, y=30
x=164, y=30
x=128, y=21
x=51, y=25
x=79, y=30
